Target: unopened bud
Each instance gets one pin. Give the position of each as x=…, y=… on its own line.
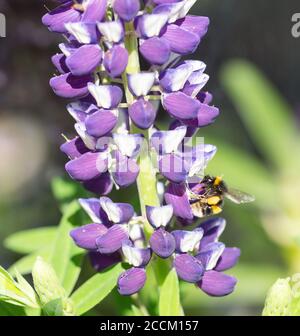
x=278, y=299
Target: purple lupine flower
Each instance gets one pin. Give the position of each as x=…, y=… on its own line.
x=131, y=281
x=203, y=261
x=94, y=68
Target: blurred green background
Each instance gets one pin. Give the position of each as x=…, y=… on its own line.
x=253, y=62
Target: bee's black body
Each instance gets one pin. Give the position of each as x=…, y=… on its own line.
x=210, y=199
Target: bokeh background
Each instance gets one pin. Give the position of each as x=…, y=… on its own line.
x=253, y=61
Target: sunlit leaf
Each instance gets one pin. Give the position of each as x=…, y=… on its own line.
x=66, y=190
x=95, y=289
x=135, y=311
x=66, y=257
x=169, y=300
x=24, y=265
x=53, y=308
x=16, y=292
x=7, y=309
x=30, y=240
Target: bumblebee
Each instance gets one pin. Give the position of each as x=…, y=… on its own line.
x=207, y=197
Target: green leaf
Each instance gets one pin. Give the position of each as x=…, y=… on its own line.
x=25, y=264
x=66, y=257
x=135, y=311
x=45, y=282
x=7, y=309
x=18, y=292
x=266, y=115
x=65, y=190
x=161, y=269
x=95, y=289
x=53, y=308
x=169, y=300
x=278, y=299
x=30, y=240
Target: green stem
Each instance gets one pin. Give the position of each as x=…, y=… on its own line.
x=140, y=305
x=146, y=181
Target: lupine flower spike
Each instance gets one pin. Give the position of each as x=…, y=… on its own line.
x=115, y=103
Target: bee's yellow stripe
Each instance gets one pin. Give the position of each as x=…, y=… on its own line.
x=217, y=180
x=214, y=200
x=216, y=209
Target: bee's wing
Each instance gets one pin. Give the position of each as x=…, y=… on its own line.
x=239, y=197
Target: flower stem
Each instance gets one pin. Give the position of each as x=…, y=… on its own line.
x=146, y=181
x=140, y=305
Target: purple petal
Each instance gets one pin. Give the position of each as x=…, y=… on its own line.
x=106, y=96
x=136, y=235
x=74, y=148
x=159, y=216
x=69, y=86
x=195, y=24
x=190, y=131
x=136, y=257
x=228, y=259
x=197, y=159
x=188, y=268
x=129, y=145
x=150, y=25
x=126, y=9
x=141, y=83
x=210, y=254
x=113, y=31
x=92, y=207
x=187, y=241
x=89, y=141
x=206, y=115
x=166, y=142
x=142, y=113
x=117, y=212
x=55, y=20
x=159, y=2
x=155, y=50
x=173, y=168
x=87, y=166
x=205, y=97
x=171, y=9
x=174, y=79
x=101, y=185
x=125, y=171
x=217, y=284
x=84, y=33
x=80, y=110
x=101, y=122
x=162, y=243
x=59, y=61
x=176, y=195
x=115, y=60
x=181, y=106
x=95, y=10
x=213, y=228
x=85, y=236
x=84, y=60
x=181, y=41
x=102, y=261
x=113, y=239
x=131, y=281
